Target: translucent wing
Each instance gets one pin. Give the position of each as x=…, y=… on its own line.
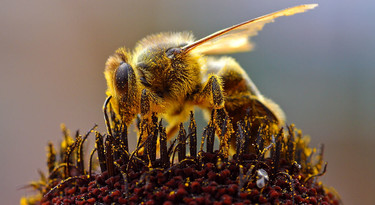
x=236, y=38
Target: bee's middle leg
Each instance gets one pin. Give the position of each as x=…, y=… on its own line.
x=211, y=96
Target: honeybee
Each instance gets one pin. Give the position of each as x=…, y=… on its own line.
x=171, y=73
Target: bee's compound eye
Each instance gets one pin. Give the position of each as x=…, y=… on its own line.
x=171, y=52
x=122, y=76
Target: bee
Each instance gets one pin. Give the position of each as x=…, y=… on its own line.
x=171, y=73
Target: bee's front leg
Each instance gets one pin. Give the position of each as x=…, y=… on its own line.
x=145, y=104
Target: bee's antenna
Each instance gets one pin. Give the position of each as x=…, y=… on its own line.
x=109, y=131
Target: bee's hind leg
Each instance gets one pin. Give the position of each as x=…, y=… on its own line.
x=243, y=98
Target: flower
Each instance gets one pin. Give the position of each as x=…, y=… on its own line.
x=277, y=168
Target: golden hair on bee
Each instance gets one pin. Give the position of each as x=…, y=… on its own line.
x=163, y=39
x=171, y=73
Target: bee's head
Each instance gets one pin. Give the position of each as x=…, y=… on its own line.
x=164, y=68
x=121, y=77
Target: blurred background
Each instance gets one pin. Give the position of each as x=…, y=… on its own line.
x=318, y=66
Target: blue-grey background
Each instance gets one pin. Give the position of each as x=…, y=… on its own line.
x=318, y=66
